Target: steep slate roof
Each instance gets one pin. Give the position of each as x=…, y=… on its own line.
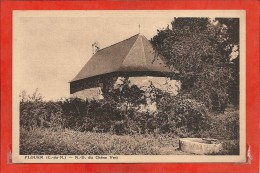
x=133, y=54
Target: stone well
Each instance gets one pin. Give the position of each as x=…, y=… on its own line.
x=200, y=145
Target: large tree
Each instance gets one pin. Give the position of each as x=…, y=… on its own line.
x=200, y=49
x=230, y=48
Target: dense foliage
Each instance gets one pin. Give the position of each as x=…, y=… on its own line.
x=176, y=115
x=202, y=51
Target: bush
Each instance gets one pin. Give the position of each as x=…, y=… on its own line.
x=224, y=126
x=179, y=114
x=34, y=112
x=109, y=116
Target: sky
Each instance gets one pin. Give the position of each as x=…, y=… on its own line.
x=51, y=48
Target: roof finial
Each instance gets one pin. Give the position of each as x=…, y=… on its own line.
x=139, y=26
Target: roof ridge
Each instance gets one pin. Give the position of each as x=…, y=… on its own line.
x=143, y=51
x=118, y=42
x=129, y=50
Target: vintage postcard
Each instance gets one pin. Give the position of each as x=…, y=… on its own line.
x=128, y=86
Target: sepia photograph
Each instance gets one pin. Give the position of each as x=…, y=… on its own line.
x=128, y=86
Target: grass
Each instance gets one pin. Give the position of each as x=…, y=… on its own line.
x=43, y=141
x=69, y=142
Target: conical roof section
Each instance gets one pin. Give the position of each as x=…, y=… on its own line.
x=133, y=54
